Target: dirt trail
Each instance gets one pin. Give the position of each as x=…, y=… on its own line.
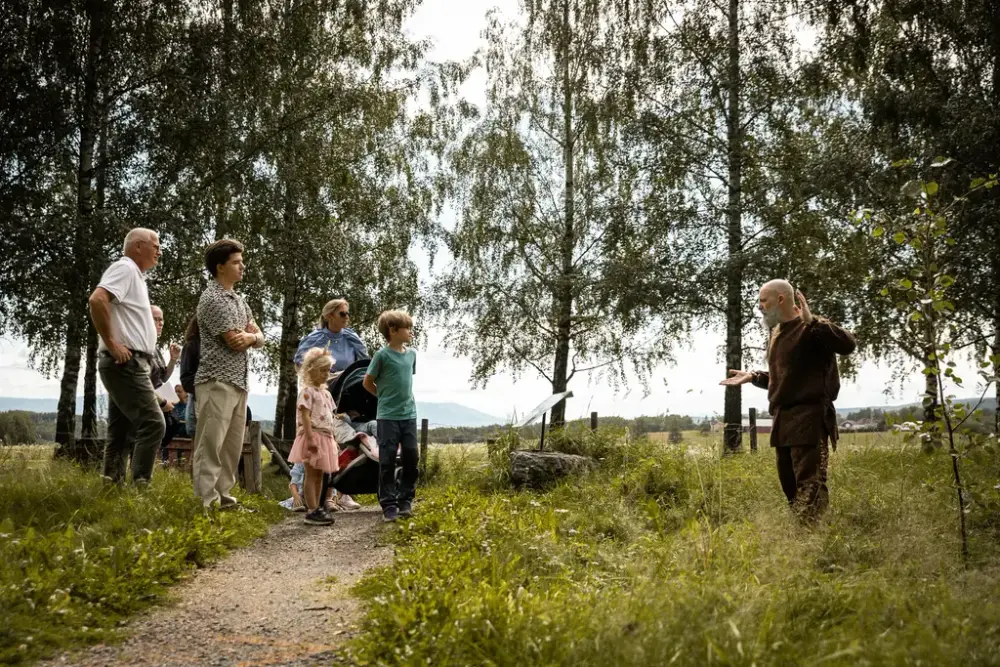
x=283, y=600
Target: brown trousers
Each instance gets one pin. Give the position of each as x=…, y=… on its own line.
x=802, y=473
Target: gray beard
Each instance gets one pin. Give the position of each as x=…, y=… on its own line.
x=771, y=318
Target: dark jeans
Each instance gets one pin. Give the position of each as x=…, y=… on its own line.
x=393, y=432
x=135, y=421
x=173, y=430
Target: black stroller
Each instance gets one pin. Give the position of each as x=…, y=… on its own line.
x=359, y=464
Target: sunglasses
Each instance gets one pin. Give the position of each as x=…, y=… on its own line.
x=344, y=313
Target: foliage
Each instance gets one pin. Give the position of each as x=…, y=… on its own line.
x=17, y=428
x=669, y=558
x=921, y=287
x=551, y=233
x=77, y=557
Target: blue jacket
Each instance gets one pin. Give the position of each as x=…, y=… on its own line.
x=345, y=346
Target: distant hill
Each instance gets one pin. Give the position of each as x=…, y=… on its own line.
x=989, y=403
x=262, y=406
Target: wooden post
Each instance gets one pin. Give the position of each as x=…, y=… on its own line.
x=593, y=421
x=250, y=476
x=423, y=447
x=541, y=442
x=753, y=429
x=275, y=454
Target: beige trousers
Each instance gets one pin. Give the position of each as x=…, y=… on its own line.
x=218, y=440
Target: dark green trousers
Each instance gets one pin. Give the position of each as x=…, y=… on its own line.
x=135, y=420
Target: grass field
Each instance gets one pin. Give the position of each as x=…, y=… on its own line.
x=673, y=555
x=77, y=558
x=668, y=554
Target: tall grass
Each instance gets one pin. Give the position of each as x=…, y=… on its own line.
x=665, y=557
x=77, y=557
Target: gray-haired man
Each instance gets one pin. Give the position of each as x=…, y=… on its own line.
x=120, y=309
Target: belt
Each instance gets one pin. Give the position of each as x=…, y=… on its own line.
x=135, y=353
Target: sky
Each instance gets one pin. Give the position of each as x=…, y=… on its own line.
x=689, y=386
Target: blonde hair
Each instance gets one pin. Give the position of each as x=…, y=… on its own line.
x=330, y=308
x=314, y=358
x=393, y=319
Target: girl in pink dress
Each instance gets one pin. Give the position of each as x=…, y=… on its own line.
x=314, y=443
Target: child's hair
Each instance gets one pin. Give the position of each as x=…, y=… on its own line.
x=393, y=319
x=314, y=358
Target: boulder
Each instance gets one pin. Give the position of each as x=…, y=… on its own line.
x=536, y=470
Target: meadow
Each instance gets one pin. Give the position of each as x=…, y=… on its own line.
x=670, y=554
x=667, y=554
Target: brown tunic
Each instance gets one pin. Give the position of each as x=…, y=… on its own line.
x=802, y=381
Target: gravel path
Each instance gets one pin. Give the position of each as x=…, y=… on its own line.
x=283, y=600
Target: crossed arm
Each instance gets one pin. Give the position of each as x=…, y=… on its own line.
x=241, y=341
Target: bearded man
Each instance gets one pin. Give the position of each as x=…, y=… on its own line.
x=802, y=382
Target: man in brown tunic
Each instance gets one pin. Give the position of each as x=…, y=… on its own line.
x=802, y=383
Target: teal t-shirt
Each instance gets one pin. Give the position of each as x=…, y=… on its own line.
x=393, y=374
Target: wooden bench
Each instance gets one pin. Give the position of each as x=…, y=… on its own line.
x=180, y=454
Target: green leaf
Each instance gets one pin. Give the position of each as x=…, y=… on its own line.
x=899, y=237
x=884, y=292
x=902, y=163
x=930, y=189
x=906, y=283
x=912, y=189
x=878, y=232
x=976, y=182
x=916, y=316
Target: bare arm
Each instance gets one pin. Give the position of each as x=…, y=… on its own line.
x=307, y=432
x=240, y=341
x=100, y=313
x=258, y=335
x=369, y=384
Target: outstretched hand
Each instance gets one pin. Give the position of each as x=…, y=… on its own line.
x=737, y=378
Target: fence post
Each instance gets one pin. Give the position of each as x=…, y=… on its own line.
x=593, y=421
x=753, y=429
x=423, y=447
x=541, y=441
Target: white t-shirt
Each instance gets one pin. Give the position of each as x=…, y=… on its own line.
x=131, y=320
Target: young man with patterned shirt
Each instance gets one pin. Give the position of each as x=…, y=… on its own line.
x=228, y=331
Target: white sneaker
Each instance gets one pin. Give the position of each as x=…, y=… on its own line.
x=347, y=503
x=331, y=505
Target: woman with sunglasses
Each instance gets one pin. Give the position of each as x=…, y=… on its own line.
x=344, y=345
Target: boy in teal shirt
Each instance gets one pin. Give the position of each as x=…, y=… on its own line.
x=390, y=378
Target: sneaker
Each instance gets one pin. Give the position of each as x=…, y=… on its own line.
x=332, y=506
x=238, y=508
x=390, y=514
x=298, y=508
x=319, y=517
x=347, y=503
x=405, y=511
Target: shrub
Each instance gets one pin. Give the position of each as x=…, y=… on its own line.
x=17, y=428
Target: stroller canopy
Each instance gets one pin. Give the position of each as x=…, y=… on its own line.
x=349, y=393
